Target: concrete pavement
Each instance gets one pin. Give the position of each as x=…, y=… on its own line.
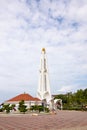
x=63, y=120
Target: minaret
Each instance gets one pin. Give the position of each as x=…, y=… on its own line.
x=44, y=85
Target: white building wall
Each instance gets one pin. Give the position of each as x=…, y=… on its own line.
x=27, y=103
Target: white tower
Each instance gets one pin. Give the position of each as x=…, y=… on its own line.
x=44, y=85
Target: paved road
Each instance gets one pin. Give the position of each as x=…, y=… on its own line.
x=63, y=120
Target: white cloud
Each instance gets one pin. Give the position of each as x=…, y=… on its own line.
x=26, y=27
x=66, y=89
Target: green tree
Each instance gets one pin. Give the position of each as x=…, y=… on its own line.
x=85, y=95
x=6, y=107
x=22, y=107
x=79, y=97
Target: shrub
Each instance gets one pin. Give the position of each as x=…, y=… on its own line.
x=22, y=107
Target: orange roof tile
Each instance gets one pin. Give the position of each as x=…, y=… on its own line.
x=36, y=99
x=25, y=97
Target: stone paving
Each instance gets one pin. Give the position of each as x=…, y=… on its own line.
x=63, y=120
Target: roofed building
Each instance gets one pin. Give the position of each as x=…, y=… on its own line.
x=29, y=100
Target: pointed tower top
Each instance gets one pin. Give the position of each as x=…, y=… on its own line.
x=43, y=50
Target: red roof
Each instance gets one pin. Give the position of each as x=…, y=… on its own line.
x=36, y=99
x=25, y=97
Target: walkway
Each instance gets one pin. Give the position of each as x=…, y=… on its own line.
x=63, y=120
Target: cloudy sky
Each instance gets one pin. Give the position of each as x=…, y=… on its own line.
x=28, y=25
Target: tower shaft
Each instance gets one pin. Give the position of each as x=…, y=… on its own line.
x=44, y=85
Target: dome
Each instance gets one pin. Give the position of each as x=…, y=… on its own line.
x=43, y=49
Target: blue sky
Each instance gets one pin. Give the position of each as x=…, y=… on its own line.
x=26, y=26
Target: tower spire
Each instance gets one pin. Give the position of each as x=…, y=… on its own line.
x=44, y=85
